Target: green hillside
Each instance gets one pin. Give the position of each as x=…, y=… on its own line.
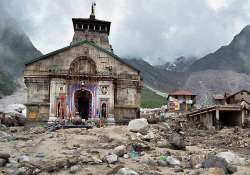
x=151, y=100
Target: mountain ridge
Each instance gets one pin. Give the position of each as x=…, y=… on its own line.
x=15, y=49
x=234, y=56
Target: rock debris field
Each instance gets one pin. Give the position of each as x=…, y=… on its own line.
x=166, y=147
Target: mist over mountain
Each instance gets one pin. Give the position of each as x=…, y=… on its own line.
x=225, y=70
x=235, y=56
x=15, y=49
x=158, y=78
x=180, y=64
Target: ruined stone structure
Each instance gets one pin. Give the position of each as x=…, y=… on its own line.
x=181, y=101
x=85, y=78
x=230, y=110
x=238, y=97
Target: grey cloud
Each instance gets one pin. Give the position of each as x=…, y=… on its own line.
x=150, y=29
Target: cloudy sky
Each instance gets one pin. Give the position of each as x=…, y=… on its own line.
x=155, y=30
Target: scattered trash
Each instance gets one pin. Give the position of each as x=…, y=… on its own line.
x=134, y=155
x=163, y=158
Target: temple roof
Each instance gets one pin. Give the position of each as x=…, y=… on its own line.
x=93, y=21
x=78, y=44
x=78, y=23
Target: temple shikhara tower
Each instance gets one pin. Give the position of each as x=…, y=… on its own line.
x=85, y=78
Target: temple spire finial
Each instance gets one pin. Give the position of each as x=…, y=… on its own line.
x=92, y=15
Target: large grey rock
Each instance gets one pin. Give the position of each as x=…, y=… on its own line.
x=74, y=169
x=231, y=157
x=2, y=162
x=218, y=162
x=177, y=141
x=120, y=150
x=126, y=171
x=138, y=125
x=5, y=156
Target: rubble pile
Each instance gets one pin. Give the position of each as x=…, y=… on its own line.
x=13, y=115
x=170, y=146
x=154, y=115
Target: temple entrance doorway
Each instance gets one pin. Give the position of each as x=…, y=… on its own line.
x=83, y=103
x=104, y=110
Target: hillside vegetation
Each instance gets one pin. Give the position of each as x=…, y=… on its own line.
x=151, y=100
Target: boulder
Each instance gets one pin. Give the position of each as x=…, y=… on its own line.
x=2, y=162
x=231, y=157
x=218, y=162
x=138, y=125
x=120, y=150
x=74, y=169
x=126, y=171
x=177, y=141
x=5, y=156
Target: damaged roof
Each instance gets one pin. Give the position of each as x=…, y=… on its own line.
x=78, y=44
x=243, y=90
x=182, y=92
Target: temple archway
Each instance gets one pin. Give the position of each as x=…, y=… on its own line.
x=83, y=100
x=82, y=65
x=104, y=110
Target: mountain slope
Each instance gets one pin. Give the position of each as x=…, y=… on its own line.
x=235, y=56
x=180, y=64
x=15, y=49
x=226, y=70
x=208, y=82
x=159, y=79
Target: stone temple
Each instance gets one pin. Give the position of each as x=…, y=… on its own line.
x=84, y=79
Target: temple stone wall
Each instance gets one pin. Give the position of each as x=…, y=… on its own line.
x=83, y=79
x=60, y=62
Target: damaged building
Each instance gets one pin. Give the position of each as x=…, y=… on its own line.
x=85, y=78
x=181, y=100
x=232, y=110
